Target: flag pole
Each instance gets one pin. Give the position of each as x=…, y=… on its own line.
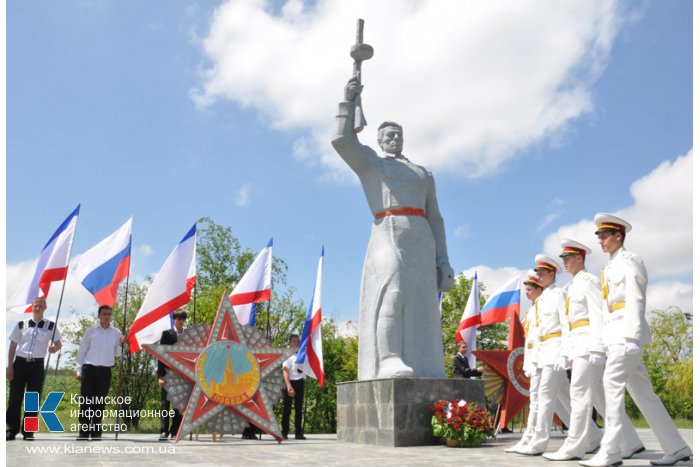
x=272, y=286
x=60, y=300
x=194, y=305
x=121, y=359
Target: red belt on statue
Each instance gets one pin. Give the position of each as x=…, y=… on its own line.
x=400, y=212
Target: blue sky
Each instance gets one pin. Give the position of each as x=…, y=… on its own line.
x=532, y=121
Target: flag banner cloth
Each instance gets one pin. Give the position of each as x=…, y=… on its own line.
x=101, y=268
x=310, y=353
x=471, y=318
x=50, y=266
x=255, y=286
x=506, y=300
x=170, y=290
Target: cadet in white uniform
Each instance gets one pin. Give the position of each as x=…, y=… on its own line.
x=586, y=355
x=550, y=315
x=533, y=290
x=625, y=332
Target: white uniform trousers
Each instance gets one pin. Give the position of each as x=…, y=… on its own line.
x=583, y=433
x=532, y=416
x=630, y=437
x=553, y=385
x=629, y=371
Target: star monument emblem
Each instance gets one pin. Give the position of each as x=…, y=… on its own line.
x=223, y=376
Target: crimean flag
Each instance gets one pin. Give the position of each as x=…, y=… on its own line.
x=50, y=266
x=170, y=290
x=505, y=301
x=310, y=353
x=255, y=286
x=471, y=318
x=101, y=268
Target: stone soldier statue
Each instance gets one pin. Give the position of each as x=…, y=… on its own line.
x=406, y=262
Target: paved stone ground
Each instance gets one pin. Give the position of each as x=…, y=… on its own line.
x=142, y=449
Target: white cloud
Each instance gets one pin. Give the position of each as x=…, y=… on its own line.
x=662, y=295
x=661, y=218
x=463, y=231
x=480, y=81
x=145, y=250
x=243, y=195
x=662, y=232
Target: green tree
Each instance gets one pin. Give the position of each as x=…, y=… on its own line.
x=221, y=261
x=490, y=337
x=134, y=374
x=340, y=365
x=669, y=361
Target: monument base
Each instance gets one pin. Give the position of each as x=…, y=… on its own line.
x=396, y=412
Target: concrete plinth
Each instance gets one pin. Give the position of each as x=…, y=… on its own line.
x=396, y=412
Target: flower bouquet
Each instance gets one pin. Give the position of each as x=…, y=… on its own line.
x=461, y=423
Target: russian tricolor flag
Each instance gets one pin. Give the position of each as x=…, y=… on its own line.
x=471, y=318
x=310, y=353
x=101, y=268
x=170, y=290
x=505, y=301
x=50, y=266
x=255, y=286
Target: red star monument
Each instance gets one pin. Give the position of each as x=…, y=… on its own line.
x=508, y=364
x=231, y=374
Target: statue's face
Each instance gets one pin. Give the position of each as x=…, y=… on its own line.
x=391, y=140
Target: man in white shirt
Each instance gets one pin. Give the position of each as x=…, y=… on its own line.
x=294, y=382
x=625, y=332
x=29, y=342
x=100, y=345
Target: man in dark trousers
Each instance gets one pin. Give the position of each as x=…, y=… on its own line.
x=169, y=337
x=461, y=364
x=96, y=356
x=29, y=341
x=294, y=383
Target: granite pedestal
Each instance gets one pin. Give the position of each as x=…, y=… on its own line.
x=396, y=412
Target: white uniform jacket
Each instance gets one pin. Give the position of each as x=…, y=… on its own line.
x=585, y=314
x=551, y=314
x=624, y=290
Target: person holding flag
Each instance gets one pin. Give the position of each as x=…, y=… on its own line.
x=462, y=368
x=294, y=392
x=464, y=361
x=29, y=342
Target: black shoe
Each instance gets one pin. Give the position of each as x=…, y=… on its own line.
x=9, y=436
x=28, y=436
x=163, y=436
x=299, y=437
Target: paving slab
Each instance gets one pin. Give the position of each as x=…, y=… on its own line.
x=317, y=450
